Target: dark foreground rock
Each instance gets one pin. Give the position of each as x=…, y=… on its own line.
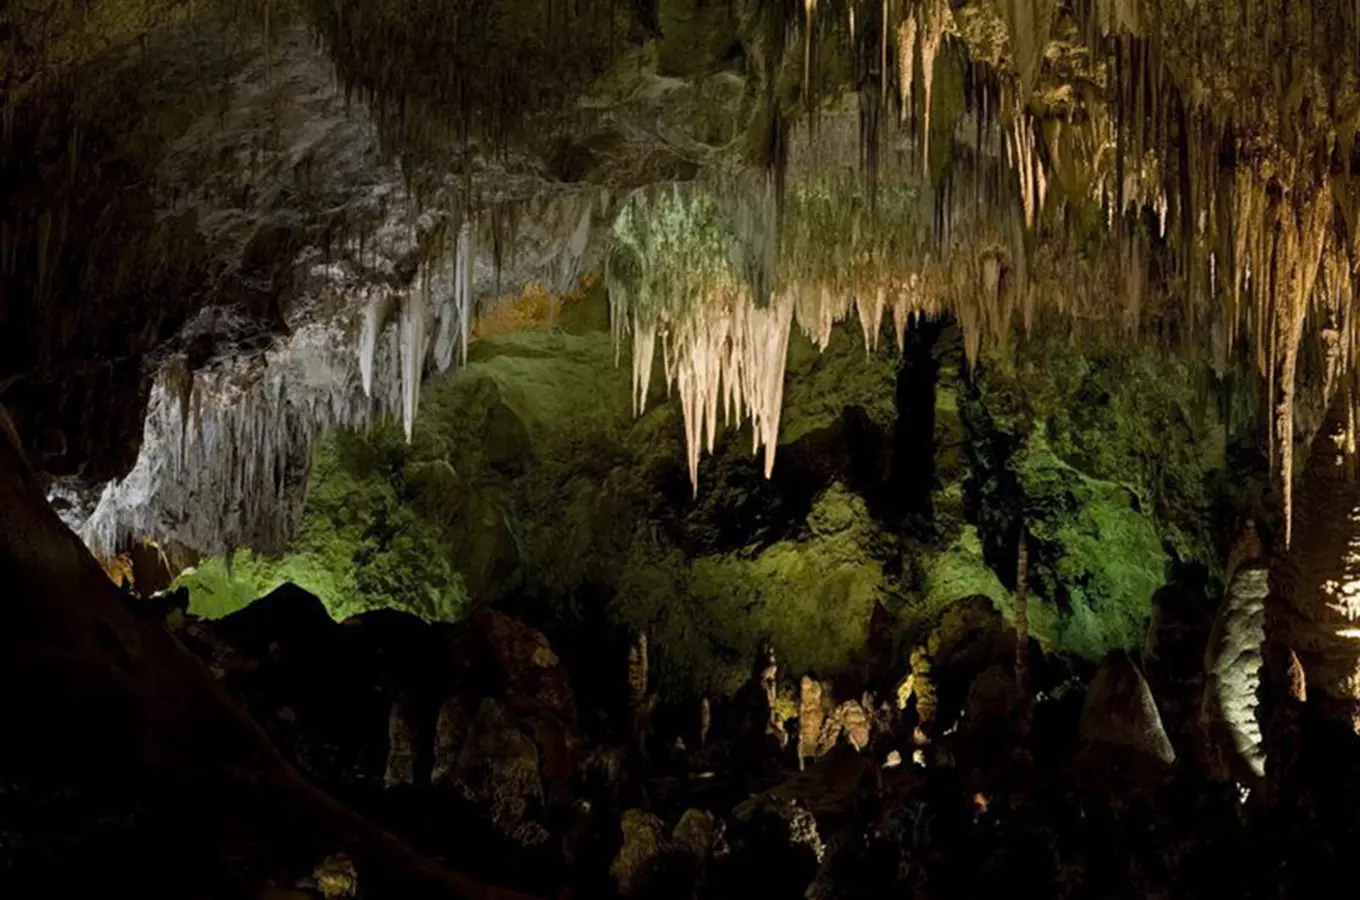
x=126, y=763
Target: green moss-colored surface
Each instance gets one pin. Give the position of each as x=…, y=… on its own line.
x=364, y=541
x=530, y=481
x=959, y=571
x=812, y=596
x=1099, y=559
x=531, y=485
x=1114, y=460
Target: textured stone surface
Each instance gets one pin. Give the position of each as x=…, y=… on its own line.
x=1232, y=673
x=1119, y=710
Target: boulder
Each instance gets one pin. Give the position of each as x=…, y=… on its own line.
x=498, y=769
x=697, y=833
x=644, y=844
x=450, y=730
x=1121, y=730
x=533, y=676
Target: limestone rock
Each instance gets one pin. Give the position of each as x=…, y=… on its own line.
x=1173, y=658
x=697, y=832
x=310, y=682
x=644, y=844
x=451, y=728
x=402, y=737
x=811, y=717
x=1232, y=675
x=786, y=836
x=1120, y=711
x=848, y=719
x=705, y=720
x=971, y=635
x=534, y=677
x=991, y=701
x=557, y=751
x=498, y=768
x=336, y=877
x=1318, y=579
x=856, y=724
x=827, y=786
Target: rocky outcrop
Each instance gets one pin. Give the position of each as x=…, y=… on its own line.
x=1120, y=725
x=848, y=720
x=1173, y=660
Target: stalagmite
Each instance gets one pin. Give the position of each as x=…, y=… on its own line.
x=1022, y=632
x=705, y=720
x=638, y=707
x=1232, y=668
x=811, y=716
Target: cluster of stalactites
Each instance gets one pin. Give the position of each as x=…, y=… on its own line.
x=225, y=450
x=686, y=265
x=1210, y=135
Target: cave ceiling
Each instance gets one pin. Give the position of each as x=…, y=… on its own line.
x=226, y=226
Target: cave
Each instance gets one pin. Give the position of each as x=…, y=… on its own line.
x=506, y=449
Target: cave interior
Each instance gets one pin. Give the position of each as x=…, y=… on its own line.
x=685, y=449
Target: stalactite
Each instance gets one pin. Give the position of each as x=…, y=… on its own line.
x=368, y=340
x=413, y=349
x=937, y=21
x=906, y=64
x=1215, y=223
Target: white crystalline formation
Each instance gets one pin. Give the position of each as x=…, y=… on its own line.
x=225, y=450
x=224, y=454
